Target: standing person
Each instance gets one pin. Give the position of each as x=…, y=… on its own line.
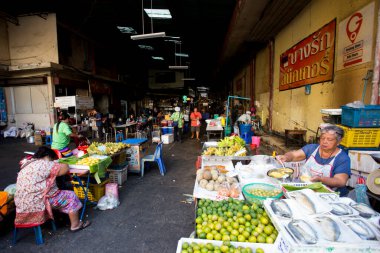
x=325, y=162
x=99, y=123
x=37, y=192
x=177, y=118
x=195, y=117
x=61, y=135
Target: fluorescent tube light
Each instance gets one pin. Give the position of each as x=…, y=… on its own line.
x=146, y=47
x=188, y=79
x=147, y=36
x=178, y=67
x=157, y=58
x=126, y=29
x=158, y=13
x=181, y=55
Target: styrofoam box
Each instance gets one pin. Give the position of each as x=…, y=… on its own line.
x=332, y=111
x=354, y=177
x=268, y=248
x=362, y=160
x=167, y=138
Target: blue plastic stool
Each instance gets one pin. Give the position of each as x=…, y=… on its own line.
x=37, y=233
x=48, y=140
x=119, y=137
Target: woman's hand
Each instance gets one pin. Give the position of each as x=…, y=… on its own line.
x=316, y=179
x=282, y=158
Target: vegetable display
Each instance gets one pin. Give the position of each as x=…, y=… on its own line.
x=108, y=148
x=229, y=146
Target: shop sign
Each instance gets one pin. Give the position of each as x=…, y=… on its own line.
x=64, y=102
x=310, y=60
x=355, y=38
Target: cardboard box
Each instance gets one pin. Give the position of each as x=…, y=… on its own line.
x=167, y=138
x=363, y=161
x=38, y=139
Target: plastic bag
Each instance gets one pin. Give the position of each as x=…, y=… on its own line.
x=356, y=104
x=361, y=194
x=107, y=202
x=11, y=189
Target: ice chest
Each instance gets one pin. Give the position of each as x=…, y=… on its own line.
x=363, y=161
x=167, y=138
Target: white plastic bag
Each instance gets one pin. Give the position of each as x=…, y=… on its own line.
x=107, y=202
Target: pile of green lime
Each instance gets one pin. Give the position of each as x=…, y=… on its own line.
x=233, y=220
x=209, y=247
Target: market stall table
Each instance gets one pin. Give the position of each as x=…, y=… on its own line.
x=214, y=130
x=135, y=153
x=129, y=127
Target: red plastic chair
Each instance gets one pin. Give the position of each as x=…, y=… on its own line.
x=59, y=155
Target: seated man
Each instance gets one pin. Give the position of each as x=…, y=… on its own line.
x=245, y=118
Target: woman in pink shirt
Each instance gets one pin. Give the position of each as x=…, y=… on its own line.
x=195, y=117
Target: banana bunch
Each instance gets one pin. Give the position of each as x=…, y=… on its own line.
x=110, y=148
x=89, y=161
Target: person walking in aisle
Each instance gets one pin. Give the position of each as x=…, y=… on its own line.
x=177, y=118
x=195, y=117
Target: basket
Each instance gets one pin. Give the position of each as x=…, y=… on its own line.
x=259, y=199
x=95, y=191
x=118, y=176
x=369, y=116
x=360, y=137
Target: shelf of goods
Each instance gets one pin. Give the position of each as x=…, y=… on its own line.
x=323, y=222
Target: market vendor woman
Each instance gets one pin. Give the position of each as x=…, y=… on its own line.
x=61, y=135
x=325, y=162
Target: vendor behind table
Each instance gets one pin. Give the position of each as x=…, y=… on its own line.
x=325, y=162
x=61, y=135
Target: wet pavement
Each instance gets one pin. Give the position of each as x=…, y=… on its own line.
x=152, y=217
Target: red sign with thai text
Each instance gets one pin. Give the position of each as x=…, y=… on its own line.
x=310, y=60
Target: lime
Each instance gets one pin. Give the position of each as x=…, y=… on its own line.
x=252, y=239
x=233, y=238
x=235, y=225
x=260, y=239
x=241, y=238
x=224, y=248
x=226, y=238
x=198, y=220
x=204, y=250
x=218, y=226
x=241, y=220
x=209, y=246
x=248, y=217
x=269, y=240
x=264, y=220
x=245, y=207
x=235, y=232
x=185, y=245
x=259, y=250
x=184, y=251
x=210, y=236
x=207, y=229
x=218, y=237
x=202, y=235
x=268, y=230
x=246, y=234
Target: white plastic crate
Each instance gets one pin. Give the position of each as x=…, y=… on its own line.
x=118, y=176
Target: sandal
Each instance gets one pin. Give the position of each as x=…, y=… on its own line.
x=83, y=225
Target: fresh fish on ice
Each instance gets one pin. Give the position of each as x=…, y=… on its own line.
x=303, y=231
x=364, y=210
x=361, y=229
x=305, y=201
x=281, y=208
x=330, y=228
x=340, y=209
x=329, y=197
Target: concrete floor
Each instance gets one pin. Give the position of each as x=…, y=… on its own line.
x=152, y=216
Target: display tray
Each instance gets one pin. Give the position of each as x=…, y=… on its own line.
x=100, y=167
x=202, y=193
x=347, y=241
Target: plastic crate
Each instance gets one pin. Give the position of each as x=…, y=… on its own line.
x=360, y=137
x=119, y=158
x=118, y=176
x=369, y=116
x=95, y=191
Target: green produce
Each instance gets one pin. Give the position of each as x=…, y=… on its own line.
x=233, y=220
x=108, y=148
x=209, y=247
x=228, y=147
x=317, y=187
x=264, y=192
